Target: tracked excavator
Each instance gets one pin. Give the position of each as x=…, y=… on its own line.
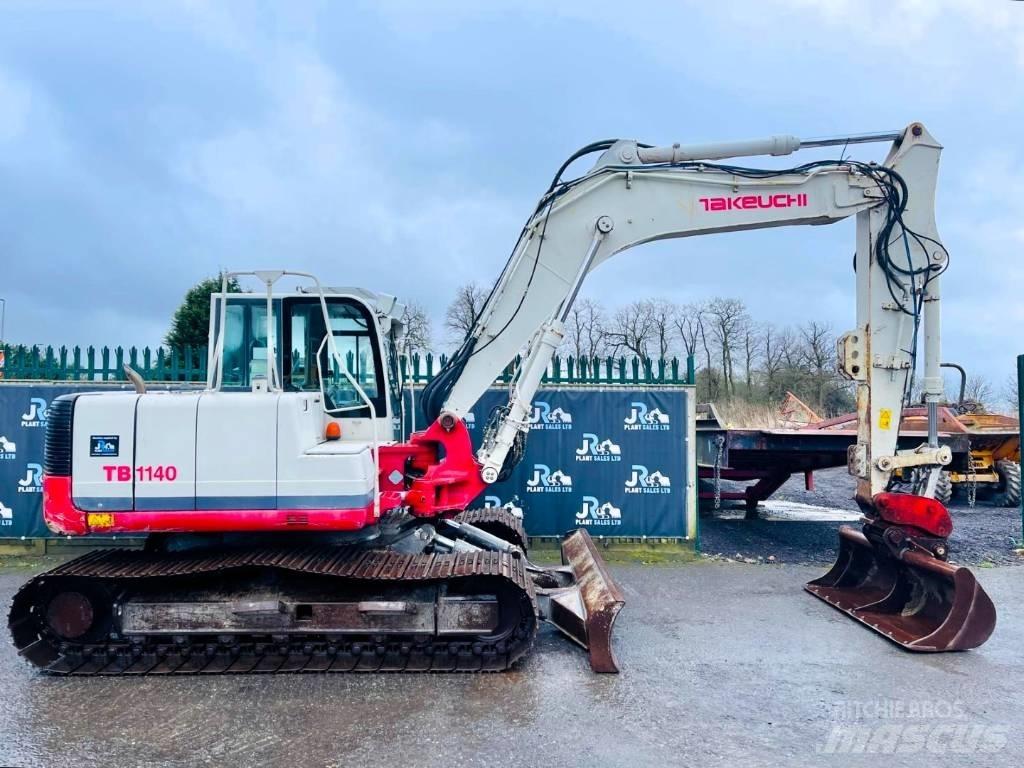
x=292, y=528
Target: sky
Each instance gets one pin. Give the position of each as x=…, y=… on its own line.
x=399, y=146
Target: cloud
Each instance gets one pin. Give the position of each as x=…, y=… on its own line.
x=399, y=146
x=323, y=181
x=15, y=109
x=983, y=291
x=29, y=124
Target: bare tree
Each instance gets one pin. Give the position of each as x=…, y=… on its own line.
x=711, y=376
x=728, y=317
x=662, y=311
x=818, y=351
x=751, y=350
x=1011, y=394
x=417, y=336
x=791, y=349
x=630, y=329
x=979, y=390
x=643, y=327
x=585, y=332
x=687, y=321
x=774, y=346
x=461, y=315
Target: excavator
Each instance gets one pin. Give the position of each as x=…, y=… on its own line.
x=291, y=527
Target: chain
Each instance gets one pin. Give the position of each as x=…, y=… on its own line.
x=972, y=483
x=720, y=442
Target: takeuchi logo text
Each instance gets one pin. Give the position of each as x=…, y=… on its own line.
x=747, y=202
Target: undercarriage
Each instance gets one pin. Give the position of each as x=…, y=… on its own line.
x=452, y=605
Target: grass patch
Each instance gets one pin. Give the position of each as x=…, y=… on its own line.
x=545, y=551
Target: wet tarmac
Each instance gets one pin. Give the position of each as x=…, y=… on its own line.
x=722, y=664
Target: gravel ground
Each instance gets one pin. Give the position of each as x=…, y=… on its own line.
x=792, y=533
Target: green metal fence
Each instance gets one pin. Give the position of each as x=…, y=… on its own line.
x=103, y=364
x=188, y=364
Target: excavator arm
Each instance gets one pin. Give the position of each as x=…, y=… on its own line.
x=636, y=194
x=892, y=575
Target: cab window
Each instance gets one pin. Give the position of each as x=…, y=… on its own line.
x=245, y=342
x=355, y=338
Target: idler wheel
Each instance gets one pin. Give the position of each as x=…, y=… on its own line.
x=70, y=614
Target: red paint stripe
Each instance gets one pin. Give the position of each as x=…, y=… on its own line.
x=62, y=516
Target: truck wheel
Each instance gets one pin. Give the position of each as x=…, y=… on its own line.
x=944, y=488
x=1008, y=491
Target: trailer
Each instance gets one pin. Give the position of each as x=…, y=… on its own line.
x=766, y=458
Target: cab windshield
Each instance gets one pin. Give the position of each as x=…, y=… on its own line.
x=300, y=333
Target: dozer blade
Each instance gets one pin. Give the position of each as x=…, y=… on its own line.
x=585, y=610
x=917, y=601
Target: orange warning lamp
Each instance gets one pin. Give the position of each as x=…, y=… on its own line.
x=333, y=431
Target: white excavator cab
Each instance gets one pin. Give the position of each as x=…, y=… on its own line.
x=354, y=368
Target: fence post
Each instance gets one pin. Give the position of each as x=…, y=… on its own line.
x=691, y=369
x=50, y=363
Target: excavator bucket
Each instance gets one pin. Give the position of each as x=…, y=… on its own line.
x=585, y=608
x=919, y=602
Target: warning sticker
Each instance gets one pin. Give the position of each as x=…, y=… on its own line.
x=884, y=418
x=100, y=520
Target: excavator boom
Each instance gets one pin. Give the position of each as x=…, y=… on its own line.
x=636, y=194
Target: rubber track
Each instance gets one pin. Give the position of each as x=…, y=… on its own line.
x=259, y=653
x=498, y=522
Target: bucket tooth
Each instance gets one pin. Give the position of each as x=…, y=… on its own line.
x=919, y=602
x=585, y=609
